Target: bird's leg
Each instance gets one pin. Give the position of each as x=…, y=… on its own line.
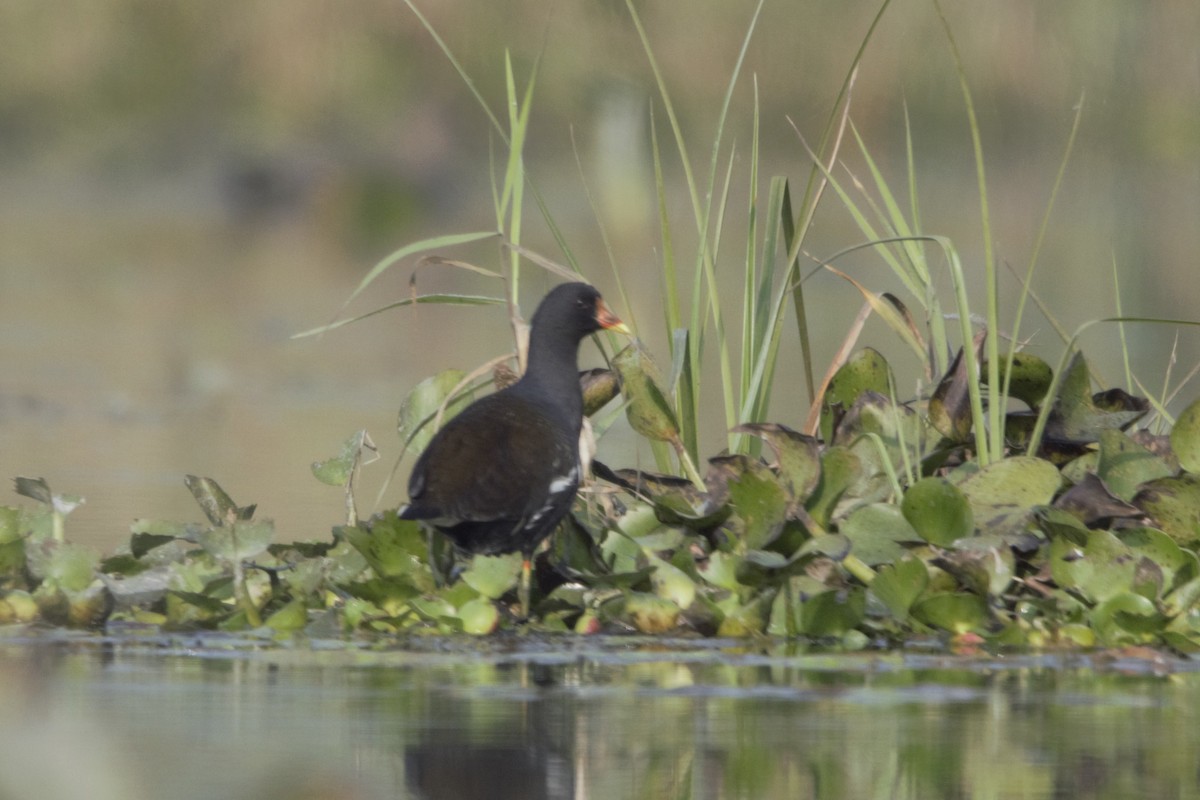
x=523, y=586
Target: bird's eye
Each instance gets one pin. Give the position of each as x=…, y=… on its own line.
x=581, y=303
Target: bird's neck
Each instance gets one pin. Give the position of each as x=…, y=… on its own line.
x=553, y=372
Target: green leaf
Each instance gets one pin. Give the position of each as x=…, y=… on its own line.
x=1081, y=416
x=798, y=456
x=1162, y=550
x=1185, y=438
x=293, y=616
x=877, y=533
x=648, y=410
x=670, y=582
x=938, y=511
x=35, y=489
x=840, y=469
x=757, y=496
x=216, y=504
x=953, y=611
x=898, y=586
x=721, y=569
x=1030, y=379
x=650, y=613
x=237, y=541
x=493, y=576
x=1174, y=505
x=394, y=548
x=70, y=567
x=1125, y=465
x=1103, y=568
x=599, y=387
x=950, y=406
x=1004, y=494
x=833, y=612
x=420, y=408
x=866, y=370
x=356, y=450
x=479, y=616
x=1127, y=616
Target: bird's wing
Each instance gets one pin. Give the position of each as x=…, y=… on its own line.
x=493, y=461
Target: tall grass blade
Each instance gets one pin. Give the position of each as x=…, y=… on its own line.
x=995, y=407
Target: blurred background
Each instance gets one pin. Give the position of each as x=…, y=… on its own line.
x=187, y=185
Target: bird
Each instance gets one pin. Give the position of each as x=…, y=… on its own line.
x=501, y=474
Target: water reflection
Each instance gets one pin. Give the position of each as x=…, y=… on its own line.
x=608, y=721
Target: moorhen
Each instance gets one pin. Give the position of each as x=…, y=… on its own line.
x=502, y=474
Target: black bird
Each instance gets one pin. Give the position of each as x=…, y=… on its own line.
x=502, y=474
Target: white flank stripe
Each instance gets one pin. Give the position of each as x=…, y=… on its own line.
x=562, y=484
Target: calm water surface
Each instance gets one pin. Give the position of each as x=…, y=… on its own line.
x=570, y=719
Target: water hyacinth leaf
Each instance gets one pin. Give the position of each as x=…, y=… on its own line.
x=390, y=597
x=872, y=483
x=1080, y=416
x=599, y=386
x=216, y=504
x=938, y=511
x=1058, y=524
x=209, y=605
x=759, y=501
x=899, y=585
x=434, y=608
x=983, y=564
x=840, y=469
x=721, y=570
x=1004, y=494
x=418, y=414
x=1126, y=616
x=573, y=551
x=832, y=612
x=1185, y=438
x=650, y=613
x=12, y=542
x=648, y=409
x=394, y=548
x=1124, y=465
x=798, y=457
x=671, y=583
x=19, y=607
x=1183, y=599
x=493, y=576
x=1174, y=505
x=1102, y=568
x=10, y=525
x=293, y=616
x=739, y=620
x=237, y=541
x=149, y=534
x=66, y=566
x=1029, y=380
x=865, y=371
x=877, y=533
x=831, y=545
x=479, y=616
x=38, y=489
x=35, y=489
x=956, y=612
x=337, y=471
x=1092, y=502
x=896, y=425
x=950, y=406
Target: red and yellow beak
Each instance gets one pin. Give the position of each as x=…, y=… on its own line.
x=610, y=321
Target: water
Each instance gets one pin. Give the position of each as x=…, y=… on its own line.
x=570, y=718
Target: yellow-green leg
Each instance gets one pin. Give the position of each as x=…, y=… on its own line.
x=523, y=587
